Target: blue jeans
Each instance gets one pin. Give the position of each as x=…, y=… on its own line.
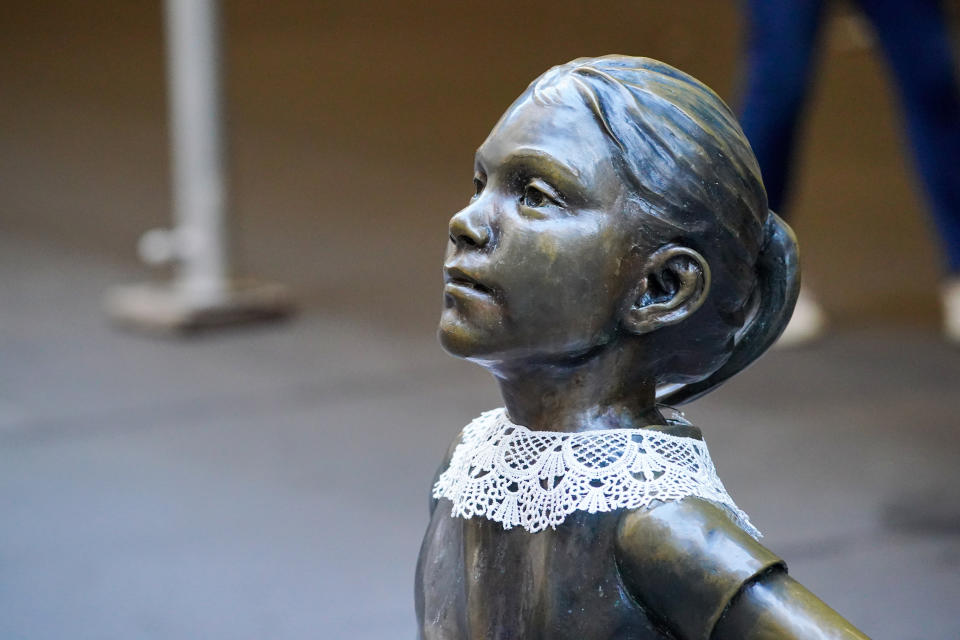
x=781, y=51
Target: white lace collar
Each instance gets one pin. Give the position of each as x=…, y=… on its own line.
x=535, y=479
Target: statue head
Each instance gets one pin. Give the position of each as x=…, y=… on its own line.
x=618, y=205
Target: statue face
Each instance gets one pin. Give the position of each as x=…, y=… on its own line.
x=543, y=261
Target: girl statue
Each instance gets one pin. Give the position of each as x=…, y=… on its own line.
x=618, y=254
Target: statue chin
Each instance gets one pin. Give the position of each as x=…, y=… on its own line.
x=453, y=344
x=458, y=338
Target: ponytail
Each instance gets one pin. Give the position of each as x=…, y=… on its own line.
x=778, y=283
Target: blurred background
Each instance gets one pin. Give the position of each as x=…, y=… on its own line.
x=271, y=481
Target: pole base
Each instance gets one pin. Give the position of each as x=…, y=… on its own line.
x=165, y=308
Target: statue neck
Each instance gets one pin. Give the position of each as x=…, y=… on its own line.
x=599, y=390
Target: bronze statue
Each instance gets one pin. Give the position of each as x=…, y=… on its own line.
x=617, y=254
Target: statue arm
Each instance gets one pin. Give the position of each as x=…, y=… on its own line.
x=703, y=578
x=777, y=606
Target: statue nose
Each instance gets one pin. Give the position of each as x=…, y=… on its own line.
x=469, y=228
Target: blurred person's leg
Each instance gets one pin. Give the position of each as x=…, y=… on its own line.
x=780, y=55
x=916, y=43
x=950, y=296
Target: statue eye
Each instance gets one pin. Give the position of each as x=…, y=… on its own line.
x=538, y=194
x=533, y=197
x=477, y=187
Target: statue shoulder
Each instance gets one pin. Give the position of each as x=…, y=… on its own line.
x=444, y=463
x=685, y=561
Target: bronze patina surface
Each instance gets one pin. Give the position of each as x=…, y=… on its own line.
x=618, y=252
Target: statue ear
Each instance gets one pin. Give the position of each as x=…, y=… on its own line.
x=674, y=283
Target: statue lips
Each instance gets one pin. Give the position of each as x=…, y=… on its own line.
x=459, y=283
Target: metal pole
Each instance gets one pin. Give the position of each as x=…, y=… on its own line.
x=197, y=149
x=203, y=291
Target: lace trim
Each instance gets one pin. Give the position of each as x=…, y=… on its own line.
x=535, y=479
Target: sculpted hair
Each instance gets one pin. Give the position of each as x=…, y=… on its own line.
x=694, y=181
